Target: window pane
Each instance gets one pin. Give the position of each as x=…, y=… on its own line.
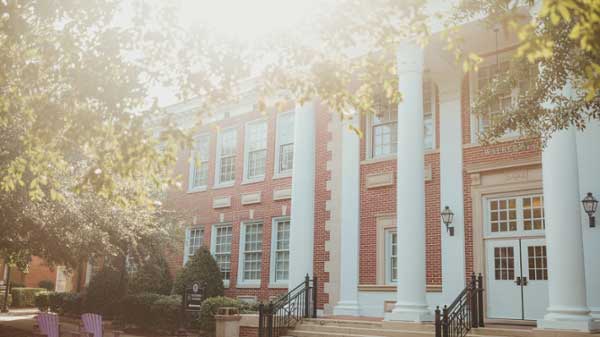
x=228, y=158
x=256, y=149
x=282, y=244
x=252, y=252
x=223, y=250
x=195, y=240
x=199, y=157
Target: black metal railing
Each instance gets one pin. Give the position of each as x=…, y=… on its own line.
x=276, y=317
x=465, y=313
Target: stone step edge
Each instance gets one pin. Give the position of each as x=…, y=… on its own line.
x=335, y=334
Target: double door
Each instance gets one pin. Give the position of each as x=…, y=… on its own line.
x=517, y=278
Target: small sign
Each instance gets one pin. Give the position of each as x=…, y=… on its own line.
x=194, y=295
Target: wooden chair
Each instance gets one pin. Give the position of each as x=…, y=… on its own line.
x=48, y=325
x=92, y=325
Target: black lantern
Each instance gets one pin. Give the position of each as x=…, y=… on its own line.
x=447, y=217
x=590, y=204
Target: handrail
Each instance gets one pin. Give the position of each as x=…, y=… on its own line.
x=464, y=313
x=275, y=318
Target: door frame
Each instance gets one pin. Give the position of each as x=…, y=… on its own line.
x=504, y=179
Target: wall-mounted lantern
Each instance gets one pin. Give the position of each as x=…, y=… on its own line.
x=590, y=204
x=447, y=217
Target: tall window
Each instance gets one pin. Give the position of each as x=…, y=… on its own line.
x=384, y=128
x=256, y=149
x=281, y=250
x=391, y=259
x=227, y=157
x=195, y=239
x=199, y=162
x=251, y=252
x=222, y=249
x=284, y=152
x=428, y=108
x=485, y=76
x=511, y=215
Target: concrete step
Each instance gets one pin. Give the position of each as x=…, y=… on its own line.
x=310, y=329
x=362, y=333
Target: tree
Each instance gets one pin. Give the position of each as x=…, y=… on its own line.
x=201, y=267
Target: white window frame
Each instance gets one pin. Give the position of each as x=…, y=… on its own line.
x=273, y=283
x=218, y=182
x=277, y=172
x=241, y=282
x=213, y=247
x=520, y=232
x=186, y=246
x=192, y=168
x=245, y=179
x=474, y=89
x=370, y=125
x=388, y=256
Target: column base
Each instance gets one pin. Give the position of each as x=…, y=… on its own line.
x=569, y=319
x=347, y=308
x=409, y=313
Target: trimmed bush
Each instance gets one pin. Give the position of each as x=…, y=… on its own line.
x=208, y=310
x=104, y=292
x=201, y=267
x=24, y=297
x=47, y=284
x=152, y=312
x=42, y=301
x=8, y=302
x=152, y=276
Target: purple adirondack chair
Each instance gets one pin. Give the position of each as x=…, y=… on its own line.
x=48, y=324
x=92, y=324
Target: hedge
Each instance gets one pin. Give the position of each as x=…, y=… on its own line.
x=8, y=302
x=24, y=297
x=63, y=303
x=208, y=310
x=151, y=311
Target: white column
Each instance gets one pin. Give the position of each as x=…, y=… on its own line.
x=411, y=303
x=350, y=219
x=451, y=186
x=588, y=153
x=567, y=306
x=303, y=195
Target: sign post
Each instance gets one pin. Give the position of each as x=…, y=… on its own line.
x=191, y=301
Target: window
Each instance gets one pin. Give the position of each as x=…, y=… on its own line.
x=384, y=128
x=391, y=259
x=194, y=240
x=504, y=263
x=537, y=263
x=280, y=250
x=507, y=97
x=428, y=120
x=226, y=156
x=199, y=163
x=221, y=249
x=251, y=253
x=284, y=152
x=517, y=215
x=256, y=150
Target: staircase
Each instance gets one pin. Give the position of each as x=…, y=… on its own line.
x=331, y=327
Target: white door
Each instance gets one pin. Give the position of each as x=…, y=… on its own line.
x=534, y=278
x=61, y=279
x=504, y=297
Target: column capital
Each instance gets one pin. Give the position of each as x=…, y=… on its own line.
x=410, y=57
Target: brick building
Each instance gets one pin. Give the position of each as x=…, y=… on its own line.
x=280, y=195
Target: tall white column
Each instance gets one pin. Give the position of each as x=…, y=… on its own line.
x=350, y=219
x=411, y=303
x=303, y=195
x=566, y=275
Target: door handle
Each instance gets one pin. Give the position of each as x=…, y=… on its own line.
x=518, y=280
x=524, y=281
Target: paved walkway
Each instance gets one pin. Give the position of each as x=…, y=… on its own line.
x=19, y=323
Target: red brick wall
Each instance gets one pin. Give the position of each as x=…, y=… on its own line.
x=199, y=204
x=323, y=136
x=246, y=331
x=38, y=271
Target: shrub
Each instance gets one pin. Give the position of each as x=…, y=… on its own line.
x=47, y=284
x=24, y=297
x=151, y=311
x=166, y=312
x=152, y=276
x=8, y=300
x=208, y=310
x=201, y=267
x=42, y=301
x=104, y=292
x=17, y=285
x=65, y=303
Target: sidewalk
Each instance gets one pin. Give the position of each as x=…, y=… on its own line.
x=19, y=323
